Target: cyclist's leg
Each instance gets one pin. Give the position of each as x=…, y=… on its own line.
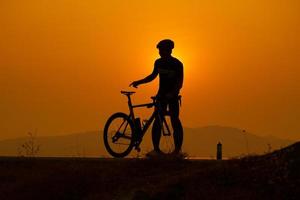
x=176, y=124
x=156, y=134
x=156, y=129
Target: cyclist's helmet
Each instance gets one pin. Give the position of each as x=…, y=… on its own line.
x=165, y=44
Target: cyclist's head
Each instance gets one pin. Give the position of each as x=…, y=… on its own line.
x=165, y=47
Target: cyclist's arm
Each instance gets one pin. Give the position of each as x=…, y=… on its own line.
x=149, y=78
x=179, y=82
x=180, y=79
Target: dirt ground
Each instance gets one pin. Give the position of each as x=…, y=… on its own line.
x=272, y=176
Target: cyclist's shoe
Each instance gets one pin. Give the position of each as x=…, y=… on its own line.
x=154, y=154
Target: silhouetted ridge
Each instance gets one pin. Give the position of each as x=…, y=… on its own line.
x=289, y=152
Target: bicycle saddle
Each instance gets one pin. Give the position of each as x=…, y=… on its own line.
x=127, y=92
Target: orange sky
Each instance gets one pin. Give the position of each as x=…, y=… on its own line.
x=63, y=62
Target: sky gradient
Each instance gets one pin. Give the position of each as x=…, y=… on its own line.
x=63, y=62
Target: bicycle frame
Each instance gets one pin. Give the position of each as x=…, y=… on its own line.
x=149, y=121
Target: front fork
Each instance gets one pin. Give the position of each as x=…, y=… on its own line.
x=162, y=120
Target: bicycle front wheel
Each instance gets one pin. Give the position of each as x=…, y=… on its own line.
x=118, y=135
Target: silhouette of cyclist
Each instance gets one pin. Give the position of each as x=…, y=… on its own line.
x=170, y=71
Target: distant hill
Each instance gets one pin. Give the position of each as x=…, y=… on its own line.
x=198, y=142
x=202, y=141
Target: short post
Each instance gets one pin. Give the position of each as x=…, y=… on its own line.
x=219, y=151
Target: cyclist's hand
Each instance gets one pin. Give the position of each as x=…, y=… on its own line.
x=134, y=84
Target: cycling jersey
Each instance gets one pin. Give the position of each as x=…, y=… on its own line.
x=170, y=72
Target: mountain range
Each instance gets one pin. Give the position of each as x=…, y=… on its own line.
x=198, y=142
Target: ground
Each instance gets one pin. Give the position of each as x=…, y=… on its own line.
x=272, y=176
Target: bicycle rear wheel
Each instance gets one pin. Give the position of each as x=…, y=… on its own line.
x=118, y=135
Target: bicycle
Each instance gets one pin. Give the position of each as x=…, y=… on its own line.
x=123, y=132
